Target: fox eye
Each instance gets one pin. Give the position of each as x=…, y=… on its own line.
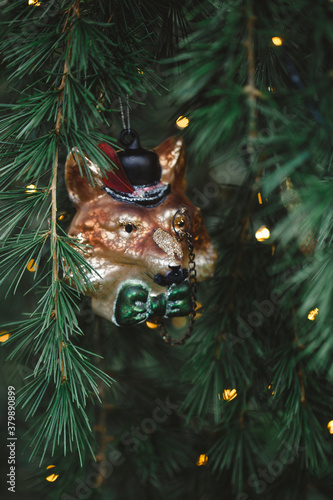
x=129, y=228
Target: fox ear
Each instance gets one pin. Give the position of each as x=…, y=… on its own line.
x=172, y=157
x=78, y=186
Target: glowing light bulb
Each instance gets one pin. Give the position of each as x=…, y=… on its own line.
x=52, y=477
x=34, y=2
x=182, y=122
x=313, y=314
x=263, y=233
x=4, y=335
x=62, y=216
x=151, y=325
x=202, y=460
x=260, y=198
x=277, y=40
x=228, y=394
x=32, y=266
x=31, y=188
x=198, y=306
x=330, y=427
x=179, y=322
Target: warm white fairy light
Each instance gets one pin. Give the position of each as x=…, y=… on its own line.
x=228, y=394
x=277, y=40
x=263, y=233
x=62, y=216
x=32, y=266
x=31, y=188
x=179, y=322
x=4, y=335
x=313, y=314
x=202, y=460
x=52, y=477
x=182, y=122
x=151, y=325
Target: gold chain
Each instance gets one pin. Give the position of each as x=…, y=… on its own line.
x=192, y=280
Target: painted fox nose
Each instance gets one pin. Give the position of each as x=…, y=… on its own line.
x=169, y=245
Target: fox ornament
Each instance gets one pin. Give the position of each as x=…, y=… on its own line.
x=134, y=222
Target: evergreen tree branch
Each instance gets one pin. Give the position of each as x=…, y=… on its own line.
x=75, y=9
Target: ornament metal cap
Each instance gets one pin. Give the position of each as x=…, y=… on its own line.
x=141, y=166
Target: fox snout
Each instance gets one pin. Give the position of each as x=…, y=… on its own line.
x=174, y=251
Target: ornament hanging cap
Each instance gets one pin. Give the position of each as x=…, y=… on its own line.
x=142, y=166
x=138, y=178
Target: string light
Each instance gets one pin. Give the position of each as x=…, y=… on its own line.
x=34, y=2
x=4, y=335
x=32, y=266
x=52, y=477
x=269, y=388
x=263, y=233
x=182, y=122
x=151, y=325
x=140, y=71
x=179, y=322
x=260, y=198
x=202, y=460
x=62, y=216
x=330, y=427
x=313, y=314
x=199, y=306
x=228, y=394
x=31, y=188
x=271, y=89
x=277, y=40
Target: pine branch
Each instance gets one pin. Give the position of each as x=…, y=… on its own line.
x=75, y=9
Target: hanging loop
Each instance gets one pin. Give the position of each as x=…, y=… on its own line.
x=133, y=143
x=128, y=125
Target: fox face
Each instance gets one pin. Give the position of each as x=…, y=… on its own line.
x=135, y=246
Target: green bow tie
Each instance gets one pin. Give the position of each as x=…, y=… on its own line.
x=134, y=304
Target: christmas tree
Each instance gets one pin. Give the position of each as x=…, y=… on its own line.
x=243, y=409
